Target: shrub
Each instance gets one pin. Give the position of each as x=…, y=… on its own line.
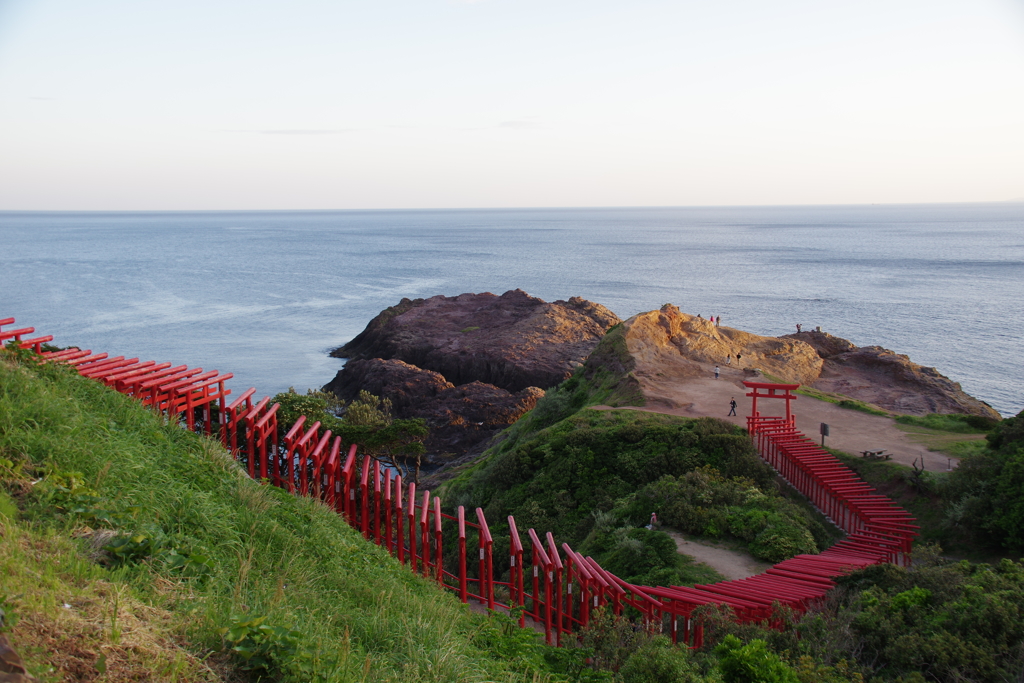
x=659, y=662
x=751, y=663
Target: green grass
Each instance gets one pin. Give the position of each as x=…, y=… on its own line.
x=953, y=423
x=837, y=399
x=257, y=551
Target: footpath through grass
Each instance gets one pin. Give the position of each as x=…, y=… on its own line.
x=134, y=549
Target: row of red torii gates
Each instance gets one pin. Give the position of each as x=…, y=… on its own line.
x=548, y=583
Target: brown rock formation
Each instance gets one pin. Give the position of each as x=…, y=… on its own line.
x=459, y=417
x=666, y=345
x=668, y=340
x=512, y=341
x=12, y=669
x=888, y=379
x=403, y=384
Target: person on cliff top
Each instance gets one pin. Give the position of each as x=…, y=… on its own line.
x=798, y=328
x=732, y=406
x=716, y=372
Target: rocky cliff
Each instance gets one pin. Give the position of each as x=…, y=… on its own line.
x=460, y=417
x=512, y=341
x=669, y=343
x=472, y=364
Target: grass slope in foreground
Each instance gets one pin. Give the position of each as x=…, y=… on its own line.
x=140, y=542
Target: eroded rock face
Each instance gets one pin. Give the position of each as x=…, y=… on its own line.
x=405, y=385
x=459, y=417
x=670, y=339
x=512, y=341
x=889, y=380
x=669, y=343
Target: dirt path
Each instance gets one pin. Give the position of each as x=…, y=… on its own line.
x=732, y=564
x=849, y=430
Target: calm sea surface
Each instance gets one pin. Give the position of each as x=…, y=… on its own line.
x=267, y=294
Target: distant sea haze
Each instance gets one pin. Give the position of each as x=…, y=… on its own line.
x=266, y=295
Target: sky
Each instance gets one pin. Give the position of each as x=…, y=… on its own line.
x=186, y=105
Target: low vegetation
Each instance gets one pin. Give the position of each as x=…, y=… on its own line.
x=936, y=621
x=137, y=550
x=132, y=549
x=594, y=478
x=973, y=511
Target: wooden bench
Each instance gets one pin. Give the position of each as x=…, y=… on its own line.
x=879, y=454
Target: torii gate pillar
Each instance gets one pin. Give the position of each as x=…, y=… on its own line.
x=783, y=391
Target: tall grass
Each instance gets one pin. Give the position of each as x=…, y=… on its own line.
x=267, y=553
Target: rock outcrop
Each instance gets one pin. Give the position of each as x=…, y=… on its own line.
x=460, y=417
x=887, y=379
x=472, y=364
x=670, y=344
x=512, y=341
x=669, y=340
x=12, y=668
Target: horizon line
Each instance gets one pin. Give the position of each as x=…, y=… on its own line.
x=517, y=208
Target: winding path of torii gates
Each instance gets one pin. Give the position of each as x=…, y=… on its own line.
x=560, y=588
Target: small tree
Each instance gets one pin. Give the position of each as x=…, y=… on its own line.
x=397, y=443
x=366, y=421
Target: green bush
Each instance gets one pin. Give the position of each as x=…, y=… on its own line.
x=751, y=663
x=659, y=661
x=983, y=495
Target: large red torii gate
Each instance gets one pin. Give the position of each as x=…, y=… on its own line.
x=773, y=391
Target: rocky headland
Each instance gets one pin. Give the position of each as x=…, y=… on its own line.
x=472, y=364
x=669, y=346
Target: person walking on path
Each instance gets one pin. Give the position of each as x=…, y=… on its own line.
x=728, y=359
x=716, y=372
x=732, y=406
x=654, y=522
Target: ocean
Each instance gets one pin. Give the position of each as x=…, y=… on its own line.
x=266, y=295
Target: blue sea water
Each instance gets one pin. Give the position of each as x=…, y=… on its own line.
x=266, y=295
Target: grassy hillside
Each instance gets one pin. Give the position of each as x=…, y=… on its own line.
x=594, y=477
x=134, y=549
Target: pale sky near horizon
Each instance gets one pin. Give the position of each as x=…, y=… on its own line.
x=140, y=105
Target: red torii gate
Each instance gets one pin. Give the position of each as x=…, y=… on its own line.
x=773, y=391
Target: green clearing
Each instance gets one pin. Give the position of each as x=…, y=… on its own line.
x=132, y=547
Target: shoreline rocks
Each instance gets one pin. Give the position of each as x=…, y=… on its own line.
x=512, y=341
x=472, y=364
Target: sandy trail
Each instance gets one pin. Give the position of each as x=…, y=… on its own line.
x=732, y=564
x=849, y=430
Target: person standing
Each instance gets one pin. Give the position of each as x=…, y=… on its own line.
x=716, y=372
x=798, y=328
x=732, y=406
x=728, y=359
